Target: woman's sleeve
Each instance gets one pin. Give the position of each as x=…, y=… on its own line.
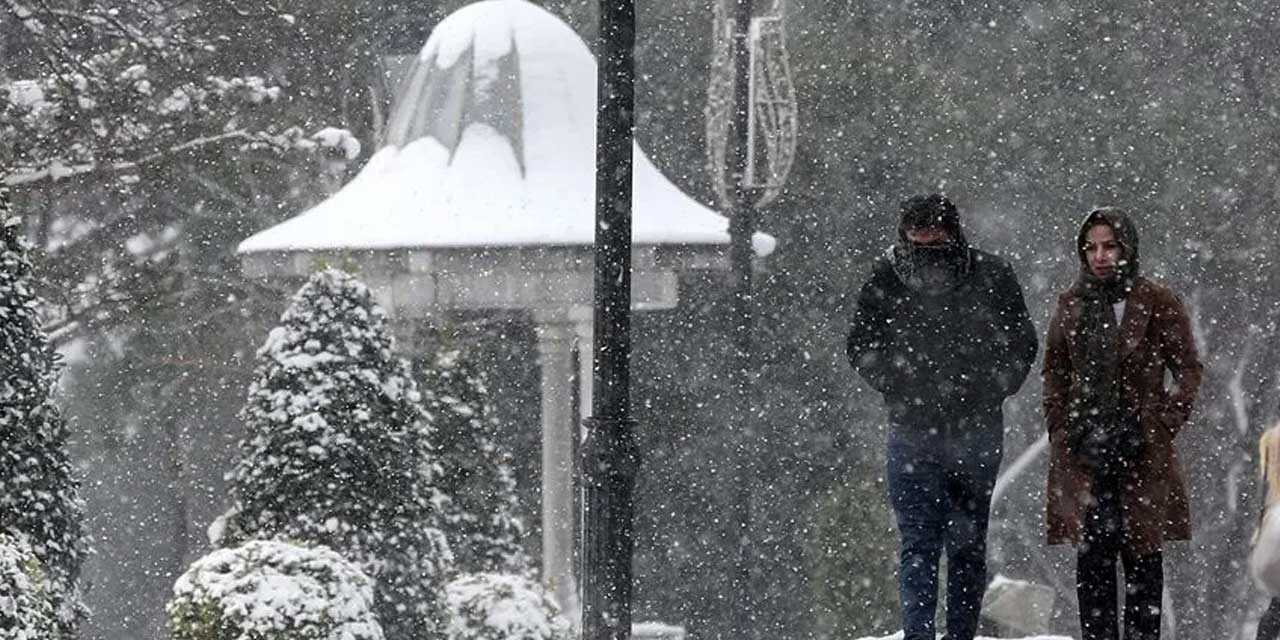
x=1056, y=375
x=1178, y=351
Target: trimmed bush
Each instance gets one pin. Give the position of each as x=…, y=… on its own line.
x=270, y=590
x=494, y=606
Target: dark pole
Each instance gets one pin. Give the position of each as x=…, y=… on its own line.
x=742, y=224
x=610, y=456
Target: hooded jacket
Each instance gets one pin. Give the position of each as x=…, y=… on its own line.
x=1154, y=337
x=942, y=357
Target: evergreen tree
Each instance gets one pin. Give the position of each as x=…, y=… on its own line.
x=338, y=453
x=37, y=491
x=476, y=473
x=25, y=609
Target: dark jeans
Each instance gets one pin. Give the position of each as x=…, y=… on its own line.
x=940, y=482
x=1096, y=562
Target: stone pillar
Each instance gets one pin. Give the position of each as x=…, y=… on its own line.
x=584, y=337
x=559, y=430
x=584, y=333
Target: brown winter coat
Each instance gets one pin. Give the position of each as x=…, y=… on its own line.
x=1155, y=336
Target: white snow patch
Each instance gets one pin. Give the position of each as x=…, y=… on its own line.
x=307, y=360
x=898, y=636
x=24, y=93
x=656, y=631
x=217, y=529
x=337, y=138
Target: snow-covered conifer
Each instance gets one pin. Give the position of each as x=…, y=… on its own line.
x=270, y=590
x=481, y=520
x=26, y=610
x=38, y=493
x=338, y=453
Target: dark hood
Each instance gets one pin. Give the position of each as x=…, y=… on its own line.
x=1126, y=234
x=930, y=210
x=931, y=269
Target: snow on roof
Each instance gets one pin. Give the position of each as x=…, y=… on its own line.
x=492, y=143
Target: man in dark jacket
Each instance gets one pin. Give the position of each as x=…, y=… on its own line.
x=942, y=331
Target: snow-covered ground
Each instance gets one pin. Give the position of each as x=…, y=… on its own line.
x=898, y=636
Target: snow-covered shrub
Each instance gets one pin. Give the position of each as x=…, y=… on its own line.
x=270, y=590
x=26, y=612
x=480, y=518
x=341, y=140
x=494, y=606
x=338, y=453
x=38, y=493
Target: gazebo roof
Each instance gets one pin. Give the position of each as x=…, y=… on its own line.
x=491, y=143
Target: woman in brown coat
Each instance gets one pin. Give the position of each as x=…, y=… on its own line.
x=1115, y=488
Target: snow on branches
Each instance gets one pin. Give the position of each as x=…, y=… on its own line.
x=125, y=86
x=148, y=138
x=490, y=606
x=38, y=494
x=338, y=453
x=476, y=474
x=270, y=590
x=26, y=611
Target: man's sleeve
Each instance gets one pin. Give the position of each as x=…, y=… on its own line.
x=870, y=342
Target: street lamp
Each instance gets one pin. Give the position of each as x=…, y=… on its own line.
x=610, y=455
x=751, y=141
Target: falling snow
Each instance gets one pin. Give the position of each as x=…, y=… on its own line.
x=179, y=171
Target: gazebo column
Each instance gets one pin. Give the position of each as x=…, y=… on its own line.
x=559, y=430
x=583, y=332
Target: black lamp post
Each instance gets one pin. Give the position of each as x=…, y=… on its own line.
x=610, y=455
x=742, y=225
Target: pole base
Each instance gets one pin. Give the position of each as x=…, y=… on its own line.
x=610, y=462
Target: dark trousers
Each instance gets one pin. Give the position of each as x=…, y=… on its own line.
x=940, y=482
x=1097, y=558
x=1269, y=625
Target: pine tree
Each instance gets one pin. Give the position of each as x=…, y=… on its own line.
x=38, y=494
x=476, y=473
x=25, y=609
x=338, y=453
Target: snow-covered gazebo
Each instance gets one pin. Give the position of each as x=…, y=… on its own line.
x=482, y=197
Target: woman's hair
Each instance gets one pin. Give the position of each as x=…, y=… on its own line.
x=1269, y=462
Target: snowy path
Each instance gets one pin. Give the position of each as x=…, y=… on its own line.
x=898, y=636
